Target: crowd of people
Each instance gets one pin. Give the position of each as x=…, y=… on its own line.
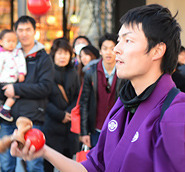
x=45, y=87
x=124, y=83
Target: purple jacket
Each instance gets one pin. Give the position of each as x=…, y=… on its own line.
x=146, y=144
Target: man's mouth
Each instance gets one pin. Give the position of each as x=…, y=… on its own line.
x=108, y=57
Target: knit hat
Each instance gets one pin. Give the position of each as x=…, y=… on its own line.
x=92, y=49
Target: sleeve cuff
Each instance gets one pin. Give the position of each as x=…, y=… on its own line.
x=88, y=165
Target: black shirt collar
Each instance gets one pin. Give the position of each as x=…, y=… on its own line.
x=129, y=98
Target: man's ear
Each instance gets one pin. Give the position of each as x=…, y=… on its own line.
x=159, y=51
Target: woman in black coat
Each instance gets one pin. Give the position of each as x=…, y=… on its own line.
x=62, y=99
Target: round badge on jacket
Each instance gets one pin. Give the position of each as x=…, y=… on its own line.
x=112, y=125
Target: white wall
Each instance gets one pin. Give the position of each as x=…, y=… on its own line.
x=174, y=6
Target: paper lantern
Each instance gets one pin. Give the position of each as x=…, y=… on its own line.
x=38, y=7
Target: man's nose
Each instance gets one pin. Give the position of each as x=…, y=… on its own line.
x=24, y=33
x=116, y=48
x=109, y=51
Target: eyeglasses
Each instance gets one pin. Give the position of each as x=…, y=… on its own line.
x=108, y=86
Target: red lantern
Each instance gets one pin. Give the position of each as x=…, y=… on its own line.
x=36, y=137
x=38, y=7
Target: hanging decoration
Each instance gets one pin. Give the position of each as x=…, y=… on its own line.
x=38, y=7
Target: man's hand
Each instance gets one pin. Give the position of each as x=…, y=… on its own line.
x=27, y=153
x=9, y=90
x=86, y=140
x=67, y=118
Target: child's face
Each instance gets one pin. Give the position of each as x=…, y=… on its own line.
x=85, y=58
x=62, y=57
x=9, y=41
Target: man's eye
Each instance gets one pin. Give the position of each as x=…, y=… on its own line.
x=128, y=41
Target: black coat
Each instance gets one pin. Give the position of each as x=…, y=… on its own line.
x=88, y=99
x=179, y=80
x=58, y=134
x=35, y=89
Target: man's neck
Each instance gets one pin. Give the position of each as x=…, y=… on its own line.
x=109, y=67
x=141, y=83
x=27, y=49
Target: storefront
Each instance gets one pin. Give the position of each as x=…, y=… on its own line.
x=48, y=26
x=8, y=13
x=79, y=17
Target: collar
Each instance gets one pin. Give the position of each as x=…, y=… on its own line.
x=106, y=73
x=37, y=46
x=31, y=55
x=129, y=98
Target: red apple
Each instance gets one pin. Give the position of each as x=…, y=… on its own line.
x=36, y=137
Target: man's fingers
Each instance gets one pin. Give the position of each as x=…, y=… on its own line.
x=27, y=151
x=14, y=151
x=4, y=88
x=31, y=153
x=26, y=147
x=15, y=132
x=32, y=149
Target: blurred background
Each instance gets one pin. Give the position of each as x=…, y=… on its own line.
x=71, y=18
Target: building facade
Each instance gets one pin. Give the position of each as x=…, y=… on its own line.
x=71, y=18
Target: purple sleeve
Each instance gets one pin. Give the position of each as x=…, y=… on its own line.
x=172, y=139
x=89, y=165
x=95, y=158
x=173, y=133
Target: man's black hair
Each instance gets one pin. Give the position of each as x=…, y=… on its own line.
x=25, y=19
x=159, y=26
x=108, y=36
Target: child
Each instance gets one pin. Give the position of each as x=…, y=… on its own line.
x=12, y=68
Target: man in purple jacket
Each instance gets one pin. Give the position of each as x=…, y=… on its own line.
x=133, y=138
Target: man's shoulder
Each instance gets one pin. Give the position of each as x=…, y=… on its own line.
x=179, y=99
x=42, y=52
x=41, y=59
x=92, y=68
x=92, y=63
x=91, y=71
x=42, y=55
x=182, y=69
x=175, y=113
